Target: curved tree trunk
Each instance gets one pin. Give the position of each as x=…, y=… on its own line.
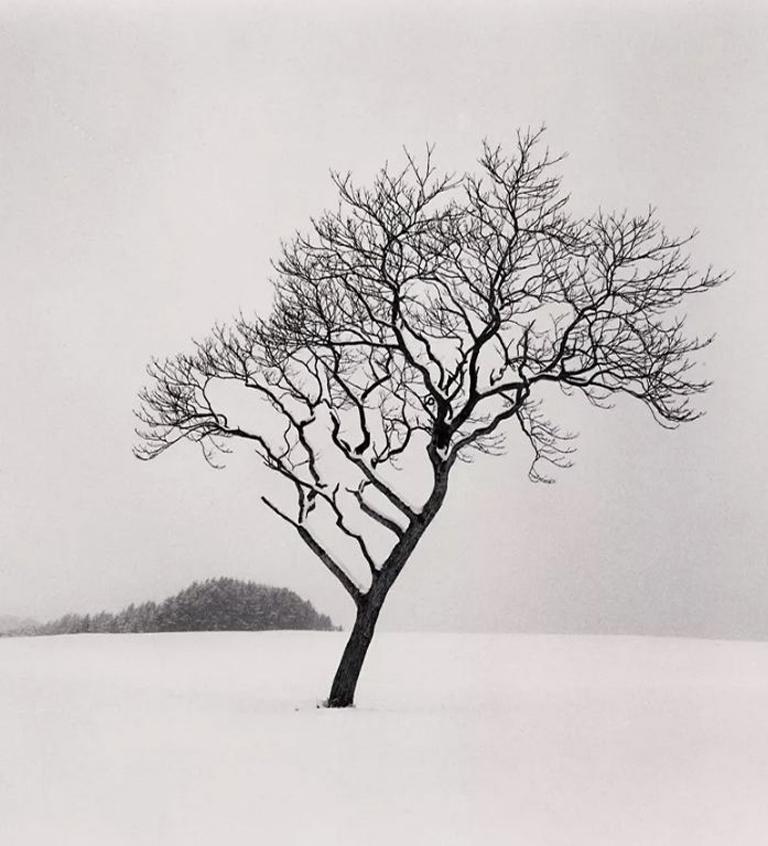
x=369, y=606
x=345, y=681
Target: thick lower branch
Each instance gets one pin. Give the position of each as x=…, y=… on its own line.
x=351, y=588
x=376, y=515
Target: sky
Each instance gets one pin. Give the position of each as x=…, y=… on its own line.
x=152, y=156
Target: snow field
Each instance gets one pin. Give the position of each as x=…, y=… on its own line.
x=215, y=738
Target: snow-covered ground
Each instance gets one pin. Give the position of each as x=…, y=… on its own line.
x=159, y=740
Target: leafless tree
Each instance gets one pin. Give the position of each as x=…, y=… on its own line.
x=417, y=325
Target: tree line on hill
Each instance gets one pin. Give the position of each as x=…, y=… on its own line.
x=212, y=605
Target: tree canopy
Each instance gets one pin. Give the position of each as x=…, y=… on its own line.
x=419, y=323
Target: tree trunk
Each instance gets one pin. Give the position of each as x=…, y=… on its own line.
x=369, y=606
x=345, y=681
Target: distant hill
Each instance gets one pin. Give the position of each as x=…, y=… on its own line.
x=9, y=623
x=213, y=605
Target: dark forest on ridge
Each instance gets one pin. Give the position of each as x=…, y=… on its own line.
x=221, y=604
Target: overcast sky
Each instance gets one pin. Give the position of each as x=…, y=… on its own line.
x=153, y=155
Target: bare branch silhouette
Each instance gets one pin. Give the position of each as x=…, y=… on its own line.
x=417, y=324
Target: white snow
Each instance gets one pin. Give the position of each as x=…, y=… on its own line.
x=158, y=740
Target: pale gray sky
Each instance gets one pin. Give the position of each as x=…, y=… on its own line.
x=152, y=156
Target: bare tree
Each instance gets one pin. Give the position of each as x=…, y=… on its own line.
x=417, y=325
